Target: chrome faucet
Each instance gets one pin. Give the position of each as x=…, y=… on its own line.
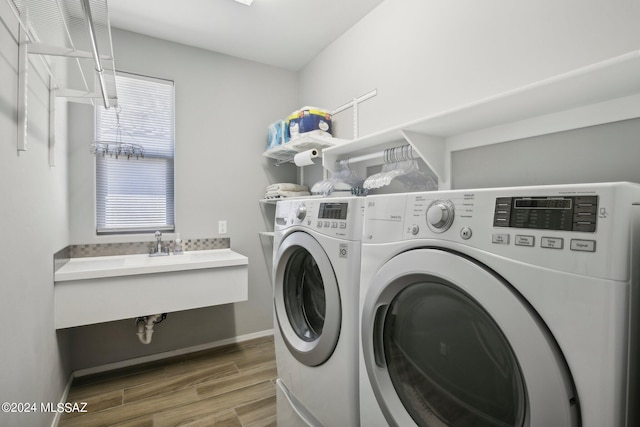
x=158, y=250
x=159, y=240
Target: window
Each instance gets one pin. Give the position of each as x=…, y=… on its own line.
x=137, y=195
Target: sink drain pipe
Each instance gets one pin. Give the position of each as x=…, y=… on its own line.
x=145, y=326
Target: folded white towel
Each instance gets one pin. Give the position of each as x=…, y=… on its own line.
x=280, y=194
x=285, y=186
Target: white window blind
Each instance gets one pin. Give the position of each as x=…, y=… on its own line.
x=137, y=195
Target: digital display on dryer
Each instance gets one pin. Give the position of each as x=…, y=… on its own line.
x=333, y=210
x=543, y=203
x=567, y=213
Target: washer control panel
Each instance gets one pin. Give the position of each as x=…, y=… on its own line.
x=339, y=217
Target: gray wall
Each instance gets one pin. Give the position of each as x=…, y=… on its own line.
x=34, y=215
x=223, y=107
x=425, y=57
x=603, y=153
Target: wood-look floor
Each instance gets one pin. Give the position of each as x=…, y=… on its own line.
x=232, y=386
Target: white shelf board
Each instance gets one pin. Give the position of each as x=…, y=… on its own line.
x=274, y=201
x=307, y=141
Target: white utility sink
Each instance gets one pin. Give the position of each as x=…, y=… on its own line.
x=101, y=289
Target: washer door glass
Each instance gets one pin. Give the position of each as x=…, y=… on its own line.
x=448, y=360
x=304, y=295
x=306, y=299
x=448, y=342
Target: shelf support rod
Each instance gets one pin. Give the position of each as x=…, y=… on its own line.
x=52, y=122
x=94, y=47
x=23, y=70
x=354, y=104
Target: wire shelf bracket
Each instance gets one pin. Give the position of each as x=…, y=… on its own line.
x=78, y=54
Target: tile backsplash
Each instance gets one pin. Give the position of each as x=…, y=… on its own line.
x=61, y=257
x=130, y=248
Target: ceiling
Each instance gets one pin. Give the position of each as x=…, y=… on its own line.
x=284, y=33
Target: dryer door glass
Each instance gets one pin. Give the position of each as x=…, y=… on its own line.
x=448, y=360
x=304, y=295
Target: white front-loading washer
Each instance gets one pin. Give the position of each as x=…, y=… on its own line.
x=316, y=273
x=501, y=307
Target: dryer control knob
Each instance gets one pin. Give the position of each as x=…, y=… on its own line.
x=301, y=213
x=440, y=215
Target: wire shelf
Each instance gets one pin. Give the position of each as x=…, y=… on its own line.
x=74, y=37
x=307, y=141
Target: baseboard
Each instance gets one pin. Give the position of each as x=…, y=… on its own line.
x=63, y=399
x=159, y=356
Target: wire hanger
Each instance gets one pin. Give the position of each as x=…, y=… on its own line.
x=400, y=164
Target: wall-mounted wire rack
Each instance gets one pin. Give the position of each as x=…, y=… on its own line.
x=73, y=39
x=319, y=140
x=285, y=152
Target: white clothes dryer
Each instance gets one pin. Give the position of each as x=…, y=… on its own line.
x=501, y=307
x=316, y=272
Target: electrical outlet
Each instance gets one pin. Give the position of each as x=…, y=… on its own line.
x=222, y=227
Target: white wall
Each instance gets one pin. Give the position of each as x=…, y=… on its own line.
x=223, y=107
x=34, y=215
x=425, y=57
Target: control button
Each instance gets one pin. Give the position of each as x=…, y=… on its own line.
x=552, y=242
x=503, y=203
x=502, y=212
x=500, y=222
x=499, y=238
x=584, y=226
x=343, y=225
x=301, y=212
x=524, y=240
x=334, y=224
x=585, y=214
x=586, y=201
x=583, y=245
x=440, y=215
x=319, y=224
x=343, y=250
x=465, y=233
x=415, y=229
x=584, y=211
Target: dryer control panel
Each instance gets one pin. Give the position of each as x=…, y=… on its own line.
x=582, y=228
x=566, y=213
